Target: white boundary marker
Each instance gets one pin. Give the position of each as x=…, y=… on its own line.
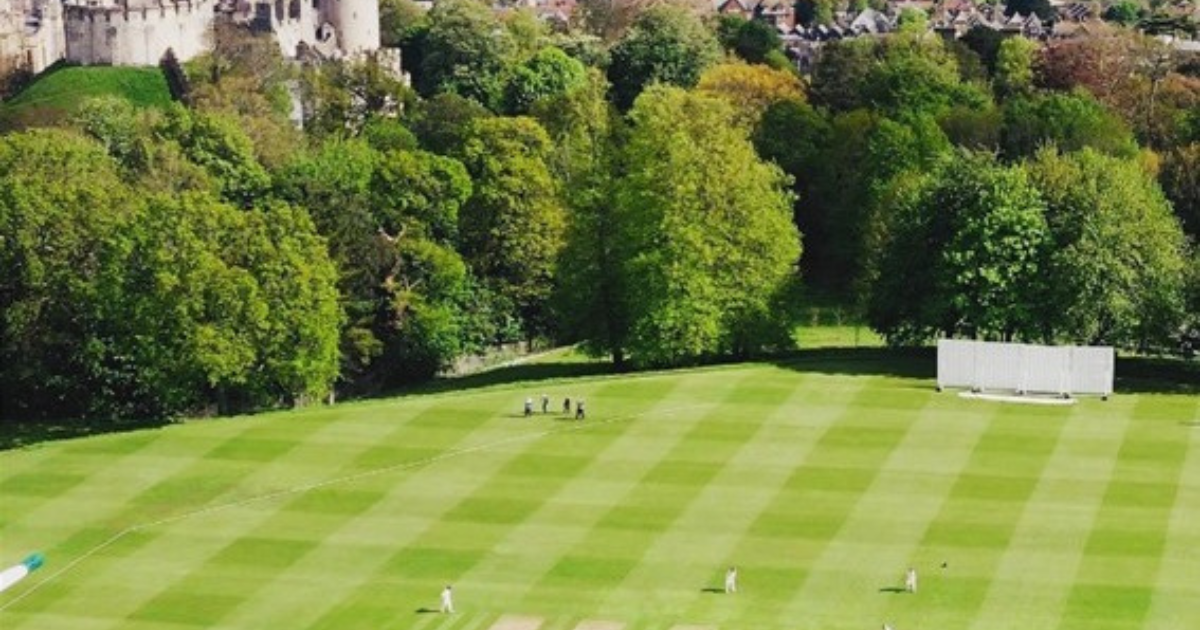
x=1012, y=398
x=302, y=488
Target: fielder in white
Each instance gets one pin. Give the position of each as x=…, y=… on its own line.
x=731, y=580
x=447, y=600
x=910, y=580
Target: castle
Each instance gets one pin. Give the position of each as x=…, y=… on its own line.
x=36, y=33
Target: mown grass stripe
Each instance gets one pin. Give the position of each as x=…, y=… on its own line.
x=981, y=513
x=879, y=525
x=1116, y=577
x=1178, y=585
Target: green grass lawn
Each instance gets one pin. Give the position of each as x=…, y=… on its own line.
x=58, y=93
x=822, y=484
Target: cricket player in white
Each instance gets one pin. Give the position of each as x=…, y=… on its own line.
x=447, y=600
x=910, y=580
x=731, y=580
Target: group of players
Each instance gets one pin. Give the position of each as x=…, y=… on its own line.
x=580, y=412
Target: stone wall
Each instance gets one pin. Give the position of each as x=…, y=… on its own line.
x=31, y=35
x=137, y=36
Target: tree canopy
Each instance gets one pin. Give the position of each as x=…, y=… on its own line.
x=704, y=234
x=666, y=44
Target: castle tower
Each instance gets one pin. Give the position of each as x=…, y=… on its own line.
x=357, y=24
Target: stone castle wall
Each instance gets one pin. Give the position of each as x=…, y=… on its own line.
x=140, y=35
x=31, y=35
x=36, y=33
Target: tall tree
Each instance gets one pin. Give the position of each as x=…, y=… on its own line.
x=703, y=232
x=583, y=126
x=751, y=89
x=64, y=215
x=511, y=228
x=466, y=52
x=666, y=44
x=1070, y=121
x=755, y=40
x=1181, y=182
x=1013, y=73
x=963, y=256
x=840, y=74
x=549, y=73
x=1115, y=272
x=218, y=144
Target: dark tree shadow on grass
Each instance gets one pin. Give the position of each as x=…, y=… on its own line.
x=16, y=434
x=912, y=363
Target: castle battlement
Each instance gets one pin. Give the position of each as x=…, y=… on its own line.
x=139, y=32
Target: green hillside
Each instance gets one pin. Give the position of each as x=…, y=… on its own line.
x=57, y=93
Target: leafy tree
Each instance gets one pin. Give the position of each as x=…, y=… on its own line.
x=1013, y=74
x=334, y=184
x=245, y=76
x=751, y=89
x=340, y=96
x=1125, y=12
x=1110, y=67
x=727, y=28
x=986, y=43
x=219, y=145
x=424, y=330
x=64, y=217
x=1070, y=121
x=1181, y=183
x=114, y=122
x=441, y=123
x=511, y=228
x=528, y=32
x=404, y=24
x=467, y=51
x=399, y=20
x=417, y=192
x=277, y=306
x=132, y=305
x=582, y=126
x=970, y=67
x=703, y=234
x=391, y=220
x=794, y=135
x=549, y=73
x=976, y=129
x=916, y=75
x=1115, y=270
x=895, y=150
x=840, y=75
x=607, y=19
x=385, y=134
x=755, y=40
x=666, y=44
x=963, y=255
